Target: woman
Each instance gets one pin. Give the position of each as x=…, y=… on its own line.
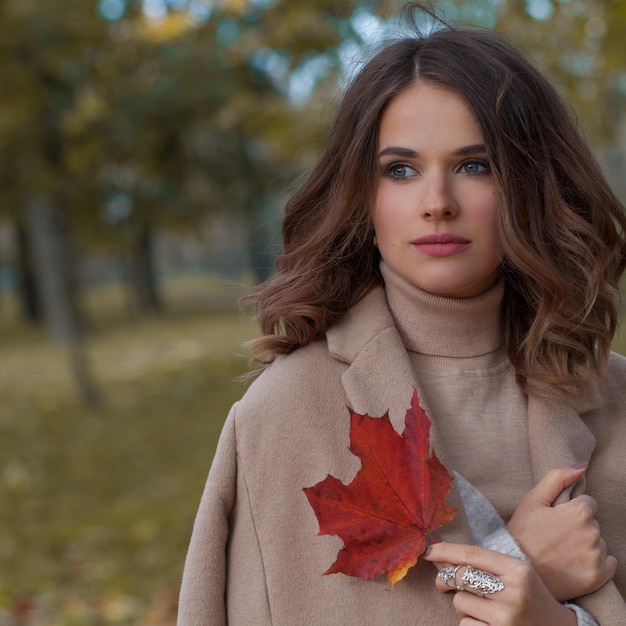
x=457, y=237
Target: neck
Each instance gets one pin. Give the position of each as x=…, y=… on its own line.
x=440, y=326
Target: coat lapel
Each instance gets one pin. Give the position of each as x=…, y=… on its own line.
x=380, y=379
x=559, y=438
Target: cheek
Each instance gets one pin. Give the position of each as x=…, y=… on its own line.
x=378, y=209
x=387, y=218
x=489, y=218
x=494, y=236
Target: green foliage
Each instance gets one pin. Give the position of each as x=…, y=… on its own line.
x=579, y=44
x=123, y=120
x=132, y=118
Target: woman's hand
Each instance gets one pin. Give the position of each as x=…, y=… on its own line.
x=524, y=600
x=563, y=542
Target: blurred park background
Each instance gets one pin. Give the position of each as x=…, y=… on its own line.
x=146, y=149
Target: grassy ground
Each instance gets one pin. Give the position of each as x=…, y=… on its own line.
x=96, y=506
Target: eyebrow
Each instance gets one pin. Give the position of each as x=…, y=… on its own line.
x=474, y=148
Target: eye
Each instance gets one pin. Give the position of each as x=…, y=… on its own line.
x=400, y=171
x=475, y=167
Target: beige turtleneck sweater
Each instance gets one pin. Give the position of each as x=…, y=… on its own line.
x=479, y=414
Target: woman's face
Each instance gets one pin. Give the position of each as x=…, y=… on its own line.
x=436, y=208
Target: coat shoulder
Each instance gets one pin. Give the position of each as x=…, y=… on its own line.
x=294, y=384
x=615, y=379
x=611, y=410
x=617, y=368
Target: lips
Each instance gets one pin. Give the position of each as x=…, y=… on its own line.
x=441, y=244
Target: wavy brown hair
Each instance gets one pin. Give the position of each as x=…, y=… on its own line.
x=561, y=227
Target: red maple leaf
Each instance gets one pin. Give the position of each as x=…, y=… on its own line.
x=389, y=510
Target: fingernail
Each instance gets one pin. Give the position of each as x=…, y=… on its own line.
x=580, y=464
x=428, y=551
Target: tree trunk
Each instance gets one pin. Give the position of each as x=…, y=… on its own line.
x=263, y=238
x=49, y=240
x=142, y=272
x=27, y=287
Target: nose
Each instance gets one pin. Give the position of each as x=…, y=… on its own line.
x=438, y=202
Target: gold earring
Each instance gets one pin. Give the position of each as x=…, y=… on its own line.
x=375, y=241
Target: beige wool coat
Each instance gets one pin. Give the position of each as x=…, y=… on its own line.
x=255, y=556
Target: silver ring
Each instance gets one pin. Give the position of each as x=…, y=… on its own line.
x=447, y=575
x=480, y=582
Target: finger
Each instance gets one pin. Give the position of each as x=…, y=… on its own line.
x=475, y=581
x=448, y=579
x=610, y=567
x=548, y=489
x=471, y=621
x=441, y=586
x=471, y=609
x=480, y=558
x=586, y=503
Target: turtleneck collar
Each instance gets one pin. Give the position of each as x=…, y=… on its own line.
x=439, y=326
